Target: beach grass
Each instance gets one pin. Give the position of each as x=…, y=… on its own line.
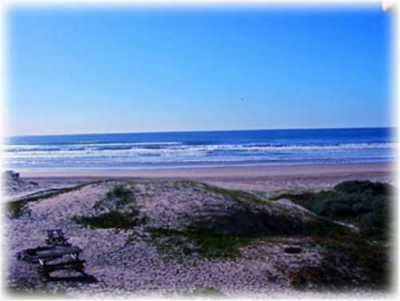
x=112, y=219
x=236, y=195
x=121, y=211
x=362, y=203
x=207, y=244
x=119, y=197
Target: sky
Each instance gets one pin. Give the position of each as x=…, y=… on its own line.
x=140, y=70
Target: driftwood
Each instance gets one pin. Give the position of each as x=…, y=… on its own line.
x=57, y=249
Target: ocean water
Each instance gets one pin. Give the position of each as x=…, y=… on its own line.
x=200, y=149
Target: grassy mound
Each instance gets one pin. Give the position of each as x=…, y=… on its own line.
x=366, y=205
x=250, y=215
x=112, y=219
x=118, y=198
x=208, y=245
x=236, y=195
x=348, y=261
x=118, y=210
x=239, y=221
x=363, y=203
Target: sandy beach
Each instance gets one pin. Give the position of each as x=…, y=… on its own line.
x=218, y=172
x=148, y=257
x=255, y=178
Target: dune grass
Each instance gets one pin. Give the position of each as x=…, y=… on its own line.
x=366, y=205
x=112, y=219
x=121, y=211
x=236, y=195
x=208, y=245
x=362, y=203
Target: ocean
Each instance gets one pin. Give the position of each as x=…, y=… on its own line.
x=200, y=149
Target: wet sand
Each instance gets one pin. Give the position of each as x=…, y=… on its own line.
x=216, y=172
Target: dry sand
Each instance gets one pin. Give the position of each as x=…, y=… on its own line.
x=128, y=261
x=254, y=178
x=123, y=265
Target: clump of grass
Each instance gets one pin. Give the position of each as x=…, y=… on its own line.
x=363, y=258
x=123, y=194
x=324, y=228
x=15, y=208
x=373, y=259
x=112, y=219
x=119, y=198
x=215, y=245
x=120, y=208
x=309, y=200
x=363, y=203
x=348, y=261
x=208, y=245
x=236, y=195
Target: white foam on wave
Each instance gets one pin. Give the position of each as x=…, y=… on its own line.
x=179, y=152
x=80, y=147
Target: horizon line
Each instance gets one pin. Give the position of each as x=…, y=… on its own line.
x=191, y=131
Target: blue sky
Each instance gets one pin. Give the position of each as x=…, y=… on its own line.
x=109, y=70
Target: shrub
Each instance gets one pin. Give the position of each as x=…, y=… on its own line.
x=363, y=203
x=112, y=219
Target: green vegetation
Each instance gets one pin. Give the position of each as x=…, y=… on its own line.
x=16, y=208
x=208, y=245
x=236, y=195
x=224, y=236
x=123, y=194
x=325, y=228
x=348, y=261
x=119, y=197
x=366, y=205
x=264, y=222
x=121, y=211
x=211, y=244
x=112, y=219
x=363, y=203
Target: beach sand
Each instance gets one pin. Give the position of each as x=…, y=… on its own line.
x=133, y=261
x=254, y=178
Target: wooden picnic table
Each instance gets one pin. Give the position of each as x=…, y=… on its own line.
x=58, y=255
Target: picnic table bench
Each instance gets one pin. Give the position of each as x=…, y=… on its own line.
x=58, y=255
